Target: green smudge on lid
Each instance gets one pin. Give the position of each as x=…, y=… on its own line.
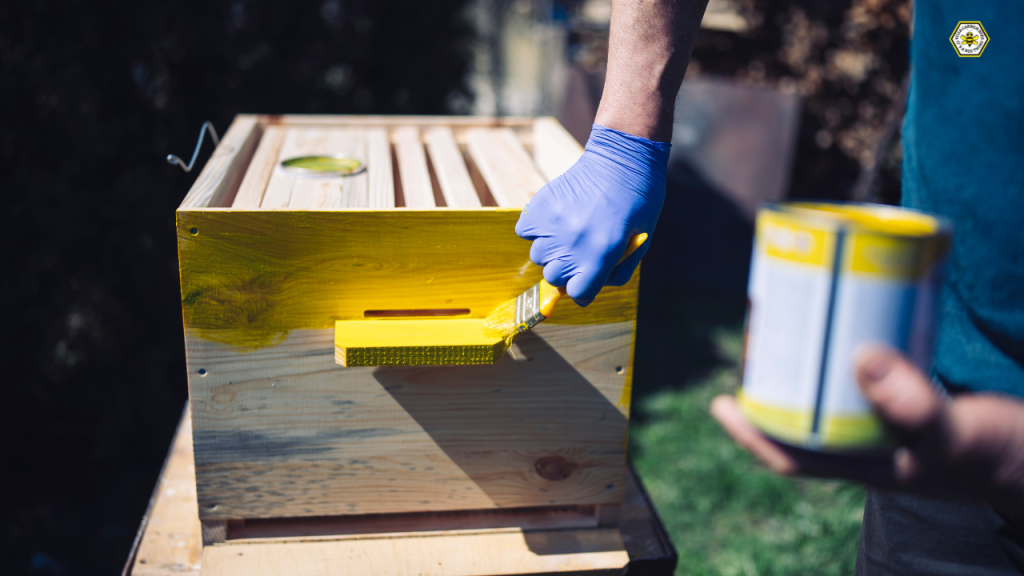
x=322, y=165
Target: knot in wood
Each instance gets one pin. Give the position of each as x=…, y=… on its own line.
x=554, y=468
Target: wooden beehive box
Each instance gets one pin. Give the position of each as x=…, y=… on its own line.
x=269, y=262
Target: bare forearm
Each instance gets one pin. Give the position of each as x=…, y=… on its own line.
x=649, y=47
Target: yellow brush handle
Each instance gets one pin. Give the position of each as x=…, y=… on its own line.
x=549, y=295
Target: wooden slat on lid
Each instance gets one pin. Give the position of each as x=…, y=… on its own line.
x=381, y=187
x=509, y=171
x=450, y=167
x=412, y=168
x=554, y=149
x=250, y=193
x=289, y=191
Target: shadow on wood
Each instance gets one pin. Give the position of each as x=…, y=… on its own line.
x=553, y=432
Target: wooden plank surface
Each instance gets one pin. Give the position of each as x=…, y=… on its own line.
x=554, y=149
x=450, y=167
x=290, y=191
x=509, y=171
x=491, y=553
x=330, y=527
x=171, y=543
x=412, y=167
x=397, y=120
x=380, y=178
x=261, y=168
x=283, y=431
x=225, y=168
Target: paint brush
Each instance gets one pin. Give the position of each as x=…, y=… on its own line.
x=525, y=311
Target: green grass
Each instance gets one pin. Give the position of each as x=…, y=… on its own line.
x=726, y=514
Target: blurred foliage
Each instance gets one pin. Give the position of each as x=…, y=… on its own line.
x=846, y=59
x=727, y=514
x=93, y=96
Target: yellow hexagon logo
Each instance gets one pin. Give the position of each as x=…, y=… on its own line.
x=969, y=39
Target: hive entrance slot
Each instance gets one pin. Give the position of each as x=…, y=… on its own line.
x=415, y=313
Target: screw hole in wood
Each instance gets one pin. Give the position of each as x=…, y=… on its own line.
x=194, y=231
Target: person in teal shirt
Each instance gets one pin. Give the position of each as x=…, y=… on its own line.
x=963, y=141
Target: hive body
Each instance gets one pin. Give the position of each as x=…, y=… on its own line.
x=270, y=263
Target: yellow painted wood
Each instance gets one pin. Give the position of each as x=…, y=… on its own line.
x=261, y=168
x=450, y=167
x=380, y=178
x=224, y=170
x=412, y=167
x=554, y=149
x=171, y=543
x=509, y=171
x=248, y=278
x=421, y=342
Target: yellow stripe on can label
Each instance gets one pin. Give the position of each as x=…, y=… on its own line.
x=826, y=278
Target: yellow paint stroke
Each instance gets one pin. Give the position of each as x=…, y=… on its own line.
x=248, y=278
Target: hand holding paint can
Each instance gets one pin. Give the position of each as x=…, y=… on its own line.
x=825, y=279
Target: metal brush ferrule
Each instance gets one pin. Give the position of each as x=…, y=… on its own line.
x=528, y=309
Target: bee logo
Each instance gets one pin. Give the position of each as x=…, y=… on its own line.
x=969, y=39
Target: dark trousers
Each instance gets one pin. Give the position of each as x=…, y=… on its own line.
x=907, y=535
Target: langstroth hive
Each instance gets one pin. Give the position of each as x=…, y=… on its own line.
x=269, y=262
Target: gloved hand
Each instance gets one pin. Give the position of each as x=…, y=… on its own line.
x=581, y=221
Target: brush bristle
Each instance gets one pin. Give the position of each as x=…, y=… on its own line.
x=501, y=323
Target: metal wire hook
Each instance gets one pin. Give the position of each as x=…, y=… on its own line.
x=172, y=159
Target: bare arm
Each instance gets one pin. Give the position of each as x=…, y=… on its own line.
x=649, y=47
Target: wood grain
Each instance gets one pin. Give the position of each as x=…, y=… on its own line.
x=412, y=167
x=317, y=193
x=330, y=527
x=248, y=278
x=398, y=120
x=284, y=431
x=380, y=178
x=280, y=430
x=511, y=174
x=172, y=542
x=223, y=172
x=257, y=176
x=490, y=553
x=456, y=185
x=554, y=149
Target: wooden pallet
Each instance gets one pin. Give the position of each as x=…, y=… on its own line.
x=169, y=542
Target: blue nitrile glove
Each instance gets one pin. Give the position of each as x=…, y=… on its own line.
x=581, y=221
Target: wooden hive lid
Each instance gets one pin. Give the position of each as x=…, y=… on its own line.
x=410, y=162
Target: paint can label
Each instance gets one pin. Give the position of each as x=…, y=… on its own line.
x=826, y=278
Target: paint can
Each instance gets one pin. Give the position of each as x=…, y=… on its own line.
x=826, y=278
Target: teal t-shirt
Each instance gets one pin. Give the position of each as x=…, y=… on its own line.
x=963, y=146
